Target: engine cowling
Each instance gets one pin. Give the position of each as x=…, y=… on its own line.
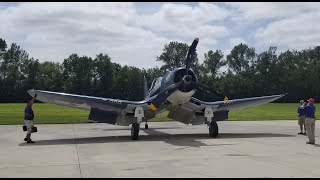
x=182, y=75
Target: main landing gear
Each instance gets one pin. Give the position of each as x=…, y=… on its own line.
x=138, y=114
x=212, y=124
x=135, y=131
x=213, y=129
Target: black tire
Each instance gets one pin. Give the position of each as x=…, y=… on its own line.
x=146, y=126
x=213, y=129
x=135, y=131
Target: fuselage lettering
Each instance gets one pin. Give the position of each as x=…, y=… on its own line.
x=115, y=101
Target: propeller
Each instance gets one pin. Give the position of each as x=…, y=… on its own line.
x=162, y=96
x=205, y=89
x=191, y=51
x=184, y=83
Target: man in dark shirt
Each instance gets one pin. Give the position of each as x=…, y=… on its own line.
x=310, y=110
x=302, y=117
x=28, y=119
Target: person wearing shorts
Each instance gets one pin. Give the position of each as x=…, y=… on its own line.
x=28, y=120
x=302, y=117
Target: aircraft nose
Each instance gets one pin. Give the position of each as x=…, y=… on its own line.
x=187, y=78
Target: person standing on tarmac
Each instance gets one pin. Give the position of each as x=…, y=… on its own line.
x=28, y=119
x=302, y=117
x=310, y=110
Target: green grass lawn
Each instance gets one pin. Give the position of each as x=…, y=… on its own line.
x=270, y=111
x=53, y=114
x=44, y=114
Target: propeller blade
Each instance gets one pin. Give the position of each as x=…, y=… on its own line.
x=164, y=95
x=191, y=51
x=203, y=88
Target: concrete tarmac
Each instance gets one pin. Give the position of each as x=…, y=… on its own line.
x=166, y=149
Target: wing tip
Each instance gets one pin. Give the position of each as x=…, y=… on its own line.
x=153, y=107
x=31, y=91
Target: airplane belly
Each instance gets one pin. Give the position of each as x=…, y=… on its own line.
x=179, y=97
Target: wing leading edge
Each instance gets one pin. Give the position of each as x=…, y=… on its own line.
x=86, y=102
x=235, y=104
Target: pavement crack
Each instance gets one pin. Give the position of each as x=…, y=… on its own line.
x=75, y=141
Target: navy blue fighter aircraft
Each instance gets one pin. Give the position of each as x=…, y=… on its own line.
x=172, y=92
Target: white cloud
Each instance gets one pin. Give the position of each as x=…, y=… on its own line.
x=53, y=31
x=236, y=41
x=135, y=33
x=298, y=32
x=253, y=11
x=173, y=15
x=182, y=21
x=292, y=25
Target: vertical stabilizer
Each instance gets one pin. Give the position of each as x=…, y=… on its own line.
x=145, y=87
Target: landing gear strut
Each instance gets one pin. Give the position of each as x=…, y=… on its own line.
x=212, y=124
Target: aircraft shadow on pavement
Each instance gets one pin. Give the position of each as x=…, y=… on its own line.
x=316, y=145
x=129, y=128
x=189, y=140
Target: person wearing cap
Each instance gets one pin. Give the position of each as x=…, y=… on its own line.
x=302, y=117
x=28, y=119
x=310, y=110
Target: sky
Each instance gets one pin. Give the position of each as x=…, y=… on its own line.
x=134, y=33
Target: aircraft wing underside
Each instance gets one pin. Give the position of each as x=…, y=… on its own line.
x=101, y=109
x=193, y=111
x=114, y=111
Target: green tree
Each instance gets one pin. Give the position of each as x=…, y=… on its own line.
x=103, y=76
x=174, y=56
x=121, y=90
x=266, y=83
x=3, y=47
x=29, y=70
x=135, y=84
x=78, y=74
x=50, y=77
x=213, y=61
x=241, y=58
x=10, y=70
x=308, y=67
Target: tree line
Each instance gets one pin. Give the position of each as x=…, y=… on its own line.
x=239, y=74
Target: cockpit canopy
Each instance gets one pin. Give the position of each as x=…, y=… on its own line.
x=155, y=83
